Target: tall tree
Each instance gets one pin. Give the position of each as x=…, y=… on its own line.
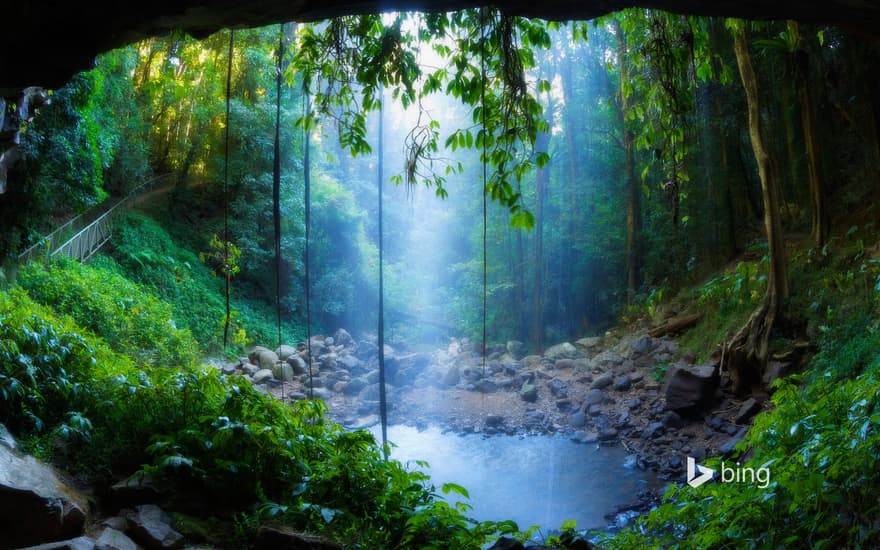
x=746, y=353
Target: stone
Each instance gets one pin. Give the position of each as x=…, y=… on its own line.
x=595, y=397
x=558, y=388
x=564, y=350
x=284, y=351
x=150, y=526
x=671, y=419
x=254, y=354
x=7, y=439
x=588, y=344
x=451, y=377
x=79, y=543
x=531, y=361
x=366, y=350
x=35, y=505
x=656, y=429
x=112, y=539
x=774, y=371
x=138, y=489
x=298, y=364
x=515, y=349
x=643, y=346
x=343, y=338
x=283, y=538
x=688, y=388
x=564, y=404
x=267, y=360
x=623, y=383
x=283, y=371
x=529, y=393
x=729, y=446
x=607, y=434
x=262, y=376
x=349, y=362
x=633, y=404
x=602, y=381
x=749, y=408
x=250, y=370
x=228, y=369
x=322, y=393
x=594, y=410
x=486, y=386
x=535, y=417
x=355, y=385
x=577, y=420
x=494, y=420
x=585, y=437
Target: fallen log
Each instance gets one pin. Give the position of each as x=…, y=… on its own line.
x=674, y=325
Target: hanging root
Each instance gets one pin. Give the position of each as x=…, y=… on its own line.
x=745, y=355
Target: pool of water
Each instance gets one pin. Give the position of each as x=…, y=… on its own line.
x=534, y=480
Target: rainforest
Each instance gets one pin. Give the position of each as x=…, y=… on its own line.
x=482, y=278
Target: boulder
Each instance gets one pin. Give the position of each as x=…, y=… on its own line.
x=228, y=369
x=595, y=397
x=774, y=371
x=532, y=361
x=729, y=446
x=602, y=381
x=249, y=369
x=577, y=419
x=565, y=364
x=348, y=362
x=111, y=539
x=623, y=383
x=298, y=364
x=262, y=376
x=151, y=527
x=35, y=505
x=558, y=388
x=564, y=350
x=283, y=371
x=515, y=349
x=343, y=338
x=451, y=376
x=749, y=408
x=688, y=388
x=366, y=350
x=267, y=360
x=284, y=351
x=529, y=392
x=254, y=354
x=322, y=393
x=355, y=385
x=283, y=538
x=588, y=344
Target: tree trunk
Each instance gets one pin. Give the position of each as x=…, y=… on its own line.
x=745, y=355
x=819, y=225
x=633, y=208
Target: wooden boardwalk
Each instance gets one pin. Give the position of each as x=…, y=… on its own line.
x=80, y=239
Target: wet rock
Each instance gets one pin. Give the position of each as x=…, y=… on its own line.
x=748, y=409
x=343, y=338
x=564, y=350
x=451, y=377
x=585, y=437
x=112, y=539
x=151, y=527
x=623, y=383
x=577, y=420
x=515, y=349
x=35, y=506
x=688, y=388
x=603, y=381
x=283, y=538
x=557, y=388
x=595, y=397
x=607, y=434
x=529, y=393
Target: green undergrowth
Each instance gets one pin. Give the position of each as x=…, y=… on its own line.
x=104, y=416
x=821, y=439
x=145, y=253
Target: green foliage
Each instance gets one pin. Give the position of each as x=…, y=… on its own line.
x=135, y=322
x=90, y=409
x=146, y=254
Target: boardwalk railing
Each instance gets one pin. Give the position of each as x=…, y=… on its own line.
x=85, y=241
